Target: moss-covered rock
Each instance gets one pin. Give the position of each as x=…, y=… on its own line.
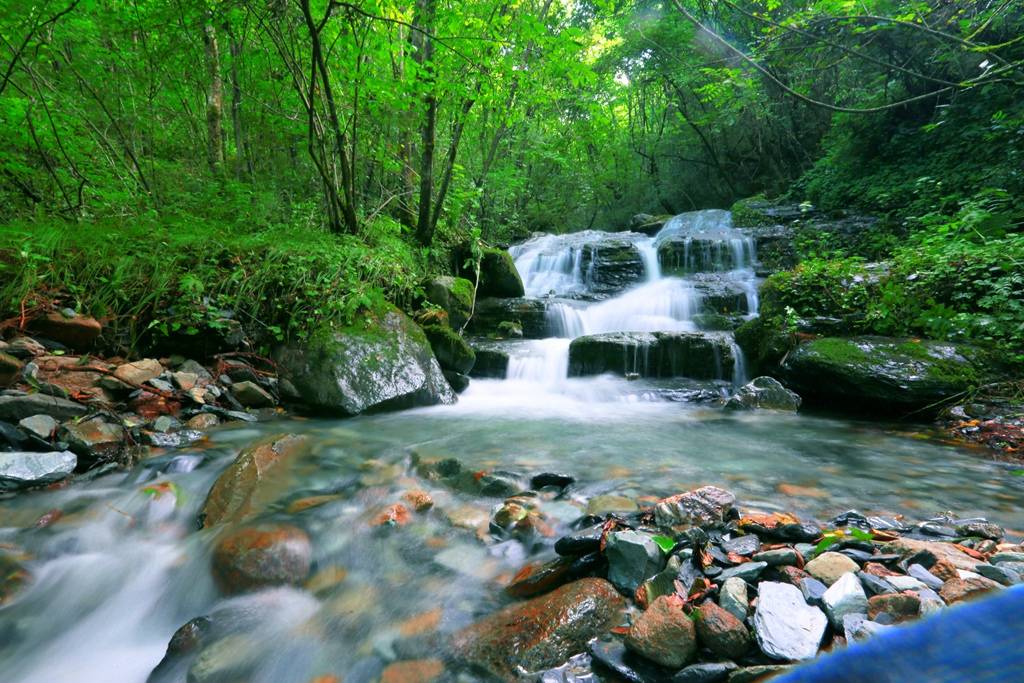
x=491, y=361
x=764, y=344
x=884, y=374
x=453, y=294
x=498, y=275
x=657, y=354
x=529, y=314
x=450, y=349
x=381, y=362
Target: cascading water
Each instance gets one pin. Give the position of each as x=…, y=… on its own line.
x=697, y=257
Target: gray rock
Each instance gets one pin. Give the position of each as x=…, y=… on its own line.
x=875, y=585
x=16, y=408
x=905, y=583
x=632, y=559
x=252, y=395
x=777, y=558
x=931, y=602
x=748, y=571
x=20, y=469
x=785, y=626
x=384, y=363
x=161, y=384
x=94, y=440
x=857, y=628
x=761, y=672
x=706, y=506
x=732, y=597
x=924, y=576
x=165, y=423
x=742, y=545
x=1006, y=557
x=813, y=591
x=709, y=672
x=764, y=393
x=42, y=426
x=999, y=573
x=845, y=596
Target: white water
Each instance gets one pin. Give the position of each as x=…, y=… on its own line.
x=565, y=266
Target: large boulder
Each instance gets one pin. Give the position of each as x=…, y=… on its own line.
x=21, y=470
x=451, y=350
x=382, y=362
x=257, y=557
x=491, y=361
x=611, y=266
x=874, y=374
x=498, y=275
x=250, y=482
x=530, y=315
x=453, y=294
x=764, y=344
x=652, y=354
x=542, y=632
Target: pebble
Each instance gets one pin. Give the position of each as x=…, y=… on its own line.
x=42, y=426
x=733, y=597
x=829, y=567
x=875, y=585
x=708, y=672
x=999, y=574
x=905, y=583
x=742, y=545
x=813, y=591
x=664, y=634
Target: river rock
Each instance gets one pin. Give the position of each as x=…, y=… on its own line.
x=451, y=350
x=139, y=372
x=898, y=606
x=16, y=408
x=412, y=671
x=10, y=368
x=958, y=590
x=857, y=628
x=908, y=547
x=627, y=665
x=25, y=348
x=19, y=470
x=706, y=506
x=541, y=632
x=706, y=672
x=924, y=576
x=454, y=295
x=491, y=361
x=246, y=485
x=40, y=426
x=764, y=393
x=94, y=440
x=880, y=373
x=829, y=567
x=748, y=571
x=905, y=583
x=733, y=597
x=845, y=596
x=252, y=395
x=697, y=355
x=742, y=545
x=76, y=331
x=777, y=558
x=257, y=557
x=664, y=634
x=813, y=591
x=632, y=559
x=721, y=632
x=528, y=315
x=999, y=574
x=382, y=362
x=785, y=626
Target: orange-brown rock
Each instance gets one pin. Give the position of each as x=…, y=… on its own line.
x=413, y=671
x=958, y=590
x=78, y=332
x=246, y=485
x=899, y=606
x=419, y=500
x=721, y=632
x=256, y=557
x=664, y=634
x=393, y=515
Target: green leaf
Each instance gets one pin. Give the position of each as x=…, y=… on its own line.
x=665, y=543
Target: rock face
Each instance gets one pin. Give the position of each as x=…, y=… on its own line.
x=16, y=408
x=258, y=557
x=383, y=363
x=498, y=275
x=542, y=632
x=454, y=295
x=632, y=559
x=242, y=488
x=664, y=634
x=529, y=314
x=611, y=266
x=20, y=470
x=658, y=354
x=785, y=626
x=879, y=373
x=764, y=393
x=706, y=506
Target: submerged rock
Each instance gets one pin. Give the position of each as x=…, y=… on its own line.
x=242, y=489
x=785, y=626
x=664, y=634
x=542, y=632
x=879, y=373
x=383, y=362
x=21, y=470
x=765, y=393
x=258, y=557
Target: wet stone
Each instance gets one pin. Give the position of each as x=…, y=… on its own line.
x=611, y=654
x=830, y=566
x=706, y=506
x=899, y=606
x=760, y=672
x=845, y=596
x=632, y=559
x=555, y=479
x=813, y=591
x=581, y=542
x=40, y=426
x=999, y=574
x=721, y=632
x=732, y=597
x=257, y=557
x=709, y=672
x=959, y=590
x=1006, y=557
x=874, y=585
x=776, y=558
x=748, y=571
x=742, y=545
x=664, y=634
x=576, y=670
x=857, y=628
x=536, y=578
x=19, y=470
x=905, y=583
x=857, y=555
x=785, y=626
x=924, y=576
x=602, y=505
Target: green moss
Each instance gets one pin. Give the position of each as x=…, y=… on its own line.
x=745, y=215
x=840, y=351
x=462, y=290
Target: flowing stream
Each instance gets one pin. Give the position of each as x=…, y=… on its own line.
x=123, y=567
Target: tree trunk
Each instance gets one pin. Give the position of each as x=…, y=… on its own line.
x=214, y=99
x=243, y=164
x=428, y=129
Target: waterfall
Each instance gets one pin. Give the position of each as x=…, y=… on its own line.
x=596, y=282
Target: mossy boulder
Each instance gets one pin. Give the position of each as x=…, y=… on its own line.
x=659, y=354
x=381, y=362
x=454, y=295
x=530, y=315
x=450, y=349
x=764, y=344
x=498, y=275
x=491, y=361
x=884, y=374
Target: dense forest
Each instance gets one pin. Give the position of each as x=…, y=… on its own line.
x=160, y=159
